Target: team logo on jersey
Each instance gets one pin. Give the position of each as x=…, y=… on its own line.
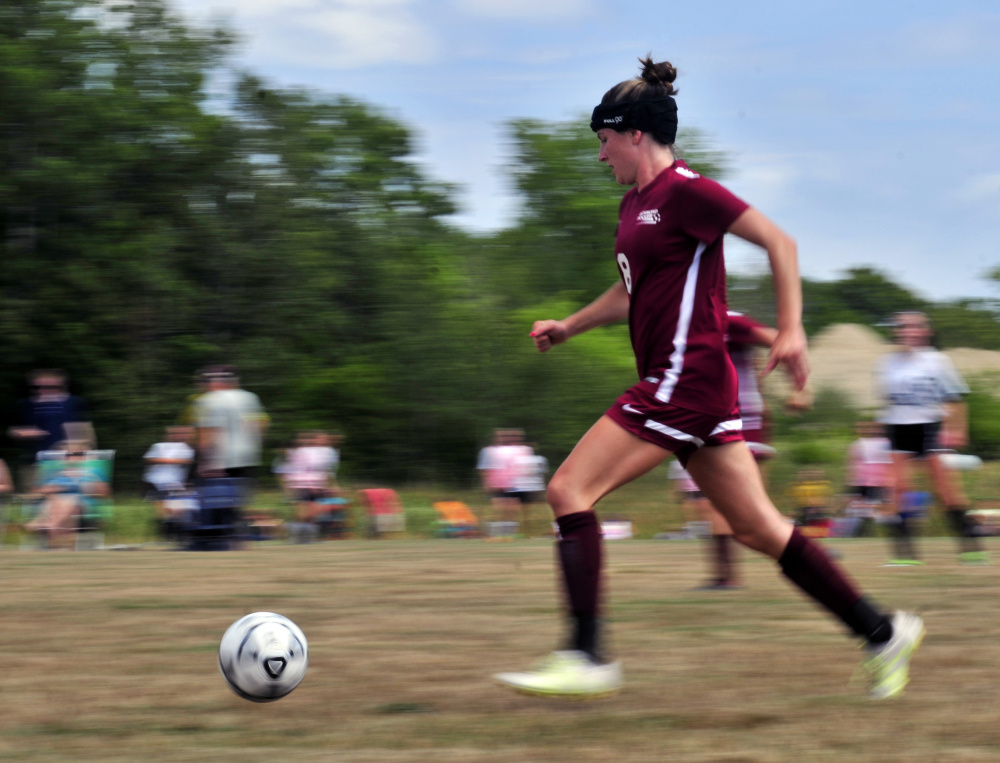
x=687, y=173
x=649, y=217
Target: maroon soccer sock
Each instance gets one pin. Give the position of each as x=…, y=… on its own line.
x=723, y=547
x=807, y=565
x=580, y=557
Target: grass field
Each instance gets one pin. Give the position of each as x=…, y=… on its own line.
x=111, y=655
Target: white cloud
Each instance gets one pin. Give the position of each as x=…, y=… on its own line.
x=765, y=181
x=953, y=40
x=982, y=188
x=527, y=10
x=327, y=34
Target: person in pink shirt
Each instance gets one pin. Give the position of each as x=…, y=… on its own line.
x=869, y=475
x=672, y=291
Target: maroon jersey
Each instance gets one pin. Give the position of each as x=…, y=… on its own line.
x=740, y=344
x=669, y=251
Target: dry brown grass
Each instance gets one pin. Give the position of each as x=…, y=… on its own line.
x=112, y=656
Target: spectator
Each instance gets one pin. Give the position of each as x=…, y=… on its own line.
x=811, y=494
x=48, y=417
x=168, y=476
x=869, y=476
x=309, y=474
x=529, y=469
x=495, y=469
x=67, y=495
x=169, y=462
x=231, y=426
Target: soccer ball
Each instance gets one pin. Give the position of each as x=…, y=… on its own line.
x=263, y=656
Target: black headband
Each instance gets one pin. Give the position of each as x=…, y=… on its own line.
x=655, y=115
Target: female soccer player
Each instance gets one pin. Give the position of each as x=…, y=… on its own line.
x=924, y=415
x=673, y=291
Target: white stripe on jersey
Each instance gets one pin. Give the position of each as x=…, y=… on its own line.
x=675, y=433
x=666, y=389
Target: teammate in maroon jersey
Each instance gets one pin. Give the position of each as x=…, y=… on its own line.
x=672, y=290
x=743, y=335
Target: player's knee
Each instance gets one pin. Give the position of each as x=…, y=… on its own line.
x=562, y=496
x=765, y=537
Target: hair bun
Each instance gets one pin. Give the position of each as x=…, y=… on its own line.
x=661, y=74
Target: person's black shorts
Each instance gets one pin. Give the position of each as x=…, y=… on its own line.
x=524, y=496
x=918, y=439
x=308, y=495
x=869, y=492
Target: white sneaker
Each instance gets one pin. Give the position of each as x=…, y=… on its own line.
x=889, y=664
x=569, y=674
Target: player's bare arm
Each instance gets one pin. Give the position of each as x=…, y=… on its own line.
x=610, y=307
x=789, y=346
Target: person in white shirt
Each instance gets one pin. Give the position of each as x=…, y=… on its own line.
x=529, y=469
x=169, y=462
x=924, y=416
x=168, y=474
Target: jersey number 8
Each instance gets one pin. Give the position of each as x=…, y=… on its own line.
x=626, y=271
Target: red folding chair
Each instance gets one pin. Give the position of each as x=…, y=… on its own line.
x=385, y=512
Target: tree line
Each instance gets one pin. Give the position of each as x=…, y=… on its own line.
x=150, y=228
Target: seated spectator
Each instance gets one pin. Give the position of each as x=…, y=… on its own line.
x=869, y=476
x=812, y=494
x=66, y=495
x=169, y=462
x=168, y=476
x=309, y=475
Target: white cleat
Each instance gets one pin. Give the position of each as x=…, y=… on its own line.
x=889, y=664
x=569, y=674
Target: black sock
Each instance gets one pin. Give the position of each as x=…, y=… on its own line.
x=808, y=566
x=963, y=527
x=866, y=621
x=580, y=558
x=903, y=538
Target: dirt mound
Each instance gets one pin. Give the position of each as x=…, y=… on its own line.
x=844, y=357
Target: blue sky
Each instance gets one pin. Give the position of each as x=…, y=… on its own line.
x=870, y=131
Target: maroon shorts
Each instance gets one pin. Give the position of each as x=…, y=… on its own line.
x=678, y=430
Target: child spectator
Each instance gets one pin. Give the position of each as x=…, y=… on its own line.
x=168, y=473
x=811, y=494
x=169, y=462
x=869, y=475
x=309, y=476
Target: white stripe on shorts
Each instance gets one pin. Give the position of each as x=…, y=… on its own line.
x=735, y=425
x=674, y=433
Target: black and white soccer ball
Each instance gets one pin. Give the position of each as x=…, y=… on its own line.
x=263, y=656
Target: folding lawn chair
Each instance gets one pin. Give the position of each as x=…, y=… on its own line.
x=214, y=524
x=385, y=512
x=455, y=520
x=95, y=511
